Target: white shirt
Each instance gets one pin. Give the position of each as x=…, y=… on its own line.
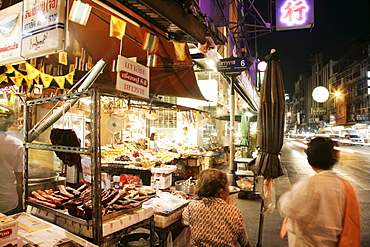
x=315, y=209
x=11, y=161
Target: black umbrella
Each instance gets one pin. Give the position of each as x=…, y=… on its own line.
x=270, y=121
x=270, y=131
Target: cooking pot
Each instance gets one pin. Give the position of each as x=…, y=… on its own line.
x=187, y=186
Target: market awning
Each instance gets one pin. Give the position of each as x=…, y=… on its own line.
x=169, y=77
x=183, y=21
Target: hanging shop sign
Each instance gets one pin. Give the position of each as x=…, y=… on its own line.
x=233, y=64
x=43, y=27
x=10, y=34
x=132, y=77
x=318, y=110
x=294, y=14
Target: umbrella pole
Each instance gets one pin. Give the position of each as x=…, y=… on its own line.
x=260, y=227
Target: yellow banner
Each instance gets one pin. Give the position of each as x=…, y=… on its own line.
x=117, y=27
x=46, y=79
x=60, y=80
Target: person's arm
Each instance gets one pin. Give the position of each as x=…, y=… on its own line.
x=19, y=184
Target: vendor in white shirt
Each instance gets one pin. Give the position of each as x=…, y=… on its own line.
x=11, y=165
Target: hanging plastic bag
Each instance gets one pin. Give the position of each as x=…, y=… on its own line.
x=268, y=196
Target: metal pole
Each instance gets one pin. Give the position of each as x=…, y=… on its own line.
x=232, y=126
x=260, y=227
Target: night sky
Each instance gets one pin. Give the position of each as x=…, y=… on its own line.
x=336, y=23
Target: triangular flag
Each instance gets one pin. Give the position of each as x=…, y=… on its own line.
x=117, y=27
x=71, y=68
x=46, y=79
x=62, y=58
x=33, y=62
x=80, y=12
x=49, y=69
x=180, y=51
x=69, y=77
x=60, y=80
x=29, y=81
x=22, y=66
x=76, y=49
x=150, y=42
x=9, y=69
x=37, y=79
x=17, y=79
x=89, y=63
x=32, y=72
x=3, y=77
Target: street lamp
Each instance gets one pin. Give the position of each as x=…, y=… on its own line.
x=320, y=94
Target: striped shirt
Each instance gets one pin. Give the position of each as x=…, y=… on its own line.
x=215, y=223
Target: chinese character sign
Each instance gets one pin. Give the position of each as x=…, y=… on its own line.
x=294, y=14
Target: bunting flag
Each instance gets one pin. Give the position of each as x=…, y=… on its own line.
x=32, y=72
x=46, y=79
x=80, y=12
x=49, y=69
x=71, y=68
x=150, y=42
x=76, y=49
x=114, y=66
x=3, y=78
x=117, y=27
x=18, y=78
x=33, y=62
x=60, y=80
x=37, y=79
x=69, y=77
x=22, y=66
x=9, y=69
x=180, y=51
x=90, y=63
x=152, y=60
x=29, y=81
x=62, y=58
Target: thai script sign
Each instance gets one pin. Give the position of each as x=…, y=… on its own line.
x=43, y=27
x=132, y=77
x=318, y=110
x=233, y=64
x=10, y=34
x=294, y=14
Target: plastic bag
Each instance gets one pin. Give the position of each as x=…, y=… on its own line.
x=268, y=196
x=165, y=202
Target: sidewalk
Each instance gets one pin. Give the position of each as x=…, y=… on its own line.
x=250, y=205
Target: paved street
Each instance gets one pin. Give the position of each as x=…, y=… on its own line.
x=353, y=166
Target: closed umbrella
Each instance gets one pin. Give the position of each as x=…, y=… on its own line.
x=270, y=121
x=270, y=132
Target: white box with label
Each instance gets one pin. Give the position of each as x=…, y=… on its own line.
x=8, y=231
x=161, y=180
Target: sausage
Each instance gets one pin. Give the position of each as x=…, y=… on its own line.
x=45, y=203
x=64, y=192
x=82, y=187
x=74, y=192
x=119, y=195
x=40, y=197
x=109, y=197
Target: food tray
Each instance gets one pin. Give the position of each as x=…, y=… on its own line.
x=111, y=223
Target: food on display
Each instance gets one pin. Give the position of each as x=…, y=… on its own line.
x=78, y=202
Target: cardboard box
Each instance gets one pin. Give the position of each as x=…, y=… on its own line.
x=161, y=180
x=8, y=231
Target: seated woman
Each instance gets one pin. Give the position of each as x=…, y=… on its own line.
x=213, y=222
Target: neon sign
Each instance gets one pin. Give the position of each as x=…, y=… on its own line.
x=291, y=14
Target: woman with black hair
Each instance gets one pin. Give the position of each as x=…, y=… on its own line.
x=213, y=222
x=321, y=210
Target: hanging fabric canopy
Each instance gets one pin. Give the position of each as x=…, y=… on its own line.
x=173, y=73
